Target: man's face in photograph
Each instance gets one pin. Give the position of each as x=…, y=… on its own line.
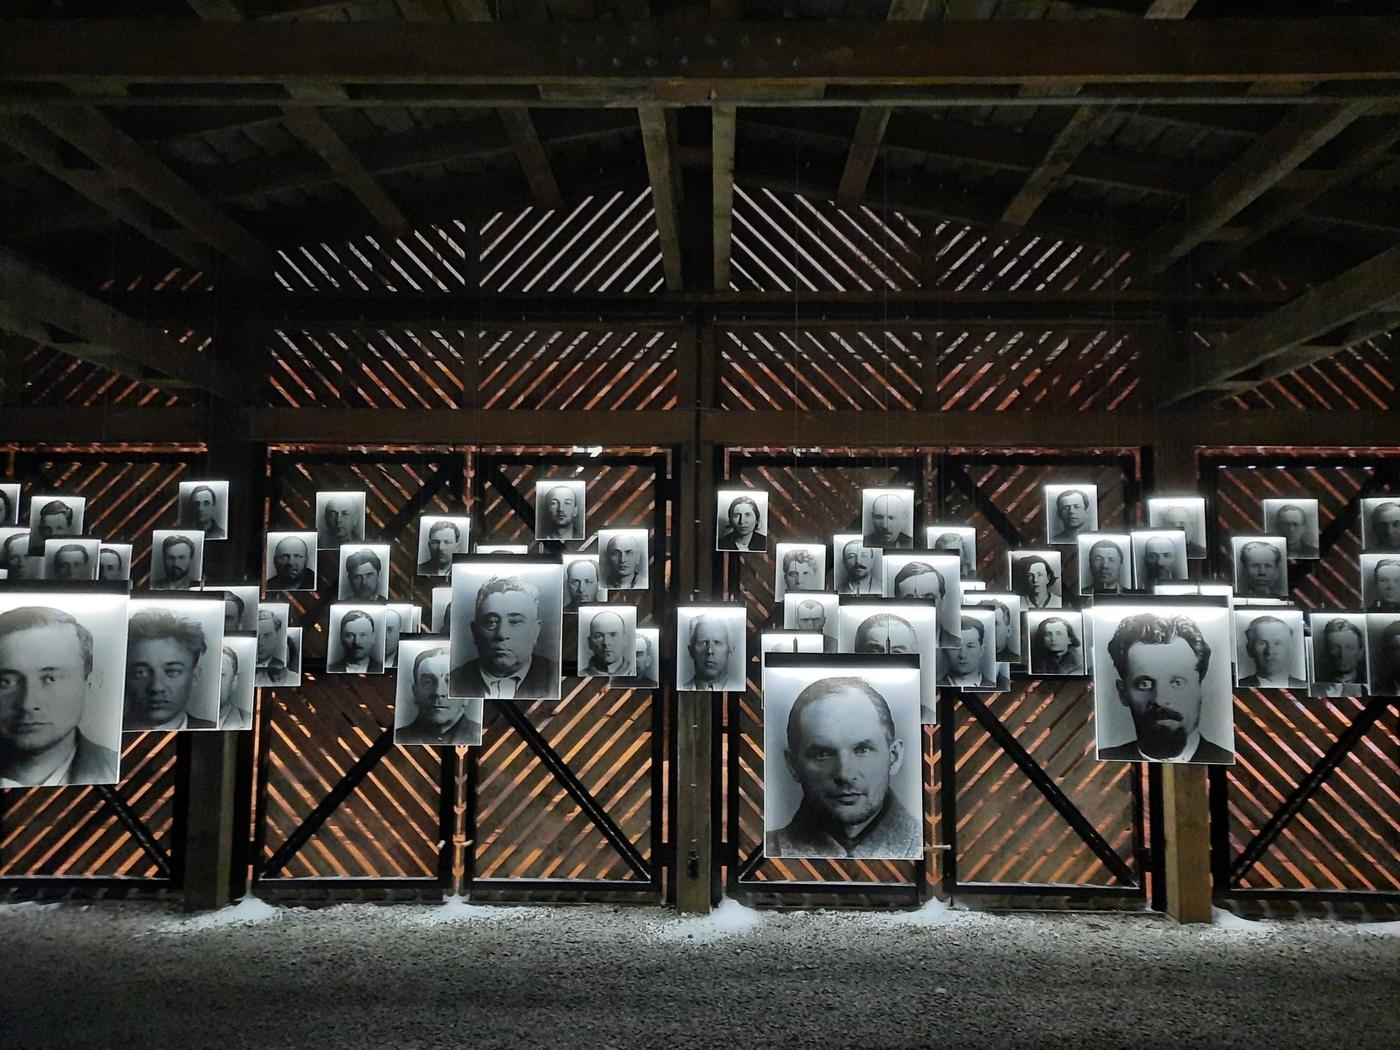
x=1291, y=525
x=920, y=585
x=844, y=761
x=1387, y=587
x=202, y=509
x=1343, y=650
x=1106, y=565
x=232, y=614
x=1164, y=694
x=42, y=686
x=887, y=519
x=160, y=673
x=967, y=657
x=810, y=616
x=561, y=507
x=442, y=544
x=1385, y=521
x=339, y=519
x=582, y=581
x=1159, y=558
x=709, y=651
x=624, y=557
x=1270, y=646
x=109, y=565
x=1390, y=653
x=364, y=580
x=1261, y=566
x=859, y=561
x=393, y=626
x=607, y=637
x=1072, y=511
x=505, y=630
x=53, y=524
x=177, y=560
x=16, y=550
x=435, y=707
x=267, y=639
x=70, y=565
x=356, y=638
x=643, y=648
x=289, y=558
x=1003, y=622
x=743, y=519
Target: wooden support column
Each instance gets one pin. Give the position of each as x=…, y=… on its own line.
x=1185, y=798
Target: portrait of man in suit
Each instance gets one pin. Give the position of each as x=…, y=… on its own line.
x=1382, y=584
x=1296, y=522
x=292, y=562
x=203, y=508
x=1270, y=645
x=1339, y=656
x=888, y=521
x=361, y=644
x=176, y=561
x=860, y=567
x=505, y=626
x=714, y=650
x=163, y=653
x=439, y=718
x=967, y=664
x=444, y=540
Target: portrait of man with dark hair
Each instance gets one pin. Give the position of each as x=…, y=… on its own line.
x=15, y=558
x=1056, y=649
x=1380, y=523
x=931, y=578
x=1274, y=647
x=800, y=567
x=1339, y=654
x=204, y=508
x=560, y=512
x=291, y=561
x=1380, y=582
x=177, y=560
x=364, y=573
x=1296, y=520
x=440, y=539
x=439, y=718
x=581, y=582
x=340, y=519
x=356, y=644
x=70, y=561
x=856, y=567
x=1007, y=610
x=236, y=687
x=887, y=519
x=114, y=562
x=741, y=521
x=167, y=686
x=971, y=667
x=1104, y=564
x=623, y=558
x=815, y=612
x=9, y=503
x=51, y=517
x=1260, y=568
x=272, y=656
x=508, y=613
x=1035, y=576
x=1069, y=511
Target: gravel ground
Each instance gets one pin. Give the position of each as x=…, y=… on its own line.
x=400, y=976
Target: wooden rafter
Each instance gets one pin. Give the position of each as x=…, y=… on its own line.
x=1294, y=334
x=722, y=132
x=663, y=171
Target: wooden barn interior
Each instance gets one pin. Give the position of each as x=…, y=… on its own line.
x=433, y=249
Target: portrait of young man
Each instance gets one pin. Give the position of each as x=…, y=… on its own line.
x=560, y=512
x=1057, y=647
x=177, y=560
x=1162, y=689
x=1380, y=582
x=270, y=667
x=54, y=516
x=60, y=689
x=841, y=768
x=1339, y=666
x=15, y=558
x=856, y=568
x=1380, y=523
x=440, y=539
x=799, y=567
x=204, y=508
x=340, y=519
x=1261, y=566
x=582, y=582
x=291, y=561
x=425, y=711
x=9, y=503
x=955, y=539
x=1070, y=510
x=1007, y=621
x=1035, y=576
x=622, y=555
x=173, y=665
x=711, y=649
x=1270, y=648
x=1186, y=514
x=919, y=576
x=356, y=639
x=1296, y=520
x=236, y=682
x=1159, y=556
x=972, y=666
x=887, y=518
x=605, y=641
x=506, y=626
x=364, y=572
x=70, y=560
x=1105, y=563
x=741, y=520
x=1383, y=644
x=114, y=562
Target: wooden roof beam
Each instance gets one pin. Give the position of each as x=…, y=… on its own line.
x=314, y=130
x=534, y=161
x=1265, y=348
x=663, y=171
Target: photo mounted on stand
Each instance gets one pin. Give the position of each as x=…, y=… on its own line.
x=506, y=625
x=1105, y=563
x=785, y=641
x=1261, y=566
x=1057, y=644
x=54, y=516
x=1269, y=648
x=174, y=662
x=973, y=667
x=842, y=758
x=15, y=558
x=1380, y=524
x=1159, y=556
x=799, y=568
x=355, y=639
x=711, y=648
x=340, y=519
x=70, y=560
x=1162, y=680
x=560, y=509
x=623, y=556
x=291, y=561
x=741, y=520
x=204, y=508
x=887, y=518
x=1380, y=582
x=646, y=644
x=237, y=681
x=1339, y=666
x=1383, y=652
x=177, y=560
x=114, y=562
x=1070, y=511
x=364, y=572
x=70, y=649
x=582, y=582
x=606, y=641
x=813, y=612
x=9, y=503
x=271, y=658
x=425, y=712
x=441, y=537
x=1035, y=575
x=955, y=539
x=240, y=606
x=1296, y=520
x=891, y=628
x=1181, y=514
x=1006, y=609
x=401, y=619
x=929, y=577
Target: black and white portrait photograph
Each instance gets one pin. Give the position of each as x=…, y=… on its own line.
x=425, y=711
x=814, y=612
x=785, y=641
x=1162, y=688
x=290, y=677
x=291, y=561
x=856, y=568
x=1105, y=563
x=1380, y=523
x=1159, y=556
x=1261, y=566
x=441, y=537
x=177, y=560
x=955, y=539
x=887, y=518
x=646, y=644
x=237, y=681
x=711, y=648
x=355, y=638
x=440, y=611
x=1057, y=643
x=174, y=660
x=973, y=667
x=62, y=669
x=741, y=520
x=9, y=503
x=204, y=508
x=400, y=619
x=240, y=606
x=1269, y=650
x=1006, y=609
x=1035, y=575
x=272, y=652
x=364, y=572
x=928, y=577
x=623, y=556
x=53, y=516
x=1339, y=664
x=70, y=560
x=340, y=519
x=842, y=759
x=583, y=582
x=1383, y=649
x=114, y=562
x=15, y=558
x=506, y=625
x=560, y=509
x=1380, y=582
x=1069, y=511
x=1181, y=514
x=605, y=641
x=887, y=628
x=798, y=567
x=1296, y=520
x=510, y=550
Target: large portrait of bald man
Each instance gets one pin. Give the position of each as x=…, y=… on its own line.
x=506, y=625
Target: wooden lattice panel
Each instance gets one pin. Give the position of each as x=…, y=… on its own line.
x=1365, y=376
x=1016, y=370
x=542, y=370
x=56, y=378
x=400, y=368
x=808, y=369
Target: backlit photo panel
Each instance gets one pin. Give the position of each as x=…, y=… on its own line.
x=1185, y=514
x=340, y=519
x=1339, y=664
x=177, y=560
x=799, y=567
x=741, y=520
x=856, y=568
x=560, y=509
x=955, y=539
x=889, y=628
x=425, y=712
x=290, y=563
x=441, y=537
x=1070, y=511
x=506, y=627
x=174, y=660
x=238, y=682
x=70, y=560
x=355, y=639
x=711, y=648
x=922, y=576
x=887, y=518
x=1270, y=650
x=605, y=641
x=203, y=507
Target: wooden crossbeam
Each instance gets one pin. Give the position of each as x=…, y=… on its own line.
x=136, y=167
x=663, y=171
x=534, y=161
x=1266, y=347
x=31, y=297
x=312, y=128
x=722, y=132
